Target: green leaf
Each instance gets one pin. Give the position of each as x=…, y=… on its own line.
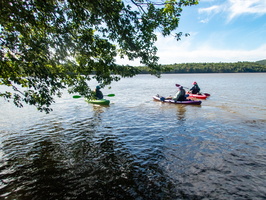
x=47, y=46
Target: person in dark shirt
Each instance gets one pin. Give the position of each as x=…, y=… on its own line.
x=98, y=92
x=195, y=89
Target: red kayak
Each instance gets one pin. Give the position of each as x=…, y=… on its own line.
x=198, y=96
x=188, y=102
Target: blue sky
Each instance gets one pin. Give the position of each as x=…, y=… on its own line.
x=220, y=31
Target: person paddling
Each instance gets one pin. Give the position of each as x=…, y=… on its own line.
x=98, y=92
x=180, y=95
x=195, y=89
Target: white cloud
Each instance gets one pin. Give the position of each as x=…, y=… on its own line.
x=235, y=8
x=185, y=51
x=240, y=7
x=210, y=54
x=206, y=55
x=204, y=21
x=212, y=9
x=209, y=12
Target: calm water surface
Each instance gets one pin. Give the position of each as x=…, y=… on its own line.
x=137, y=148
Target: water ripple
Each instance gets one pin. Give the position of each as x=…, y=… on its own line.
x=134, y=149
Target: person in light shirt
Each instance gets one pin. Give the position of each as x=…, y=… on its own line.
x=180, y=95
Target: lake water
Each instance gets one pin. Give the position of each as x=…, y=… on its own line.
x=137, y=148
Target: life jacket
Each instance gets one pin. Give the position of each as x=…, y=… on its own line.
x=195, y=89
x=99, y=94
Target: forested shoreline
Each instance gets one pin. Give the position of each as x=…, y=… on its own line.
x=237, y=67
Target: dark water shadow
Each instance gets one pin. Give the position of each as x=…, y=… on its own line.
x=81, y=160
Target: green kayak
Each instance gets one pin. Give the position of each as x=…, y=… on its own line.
x=99, y=101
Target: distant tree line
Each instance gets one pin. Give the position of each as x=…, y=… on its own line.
x=263, y=62
x=237, y=67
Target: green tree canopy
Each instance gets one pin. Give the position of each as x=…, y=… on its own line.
x=50, y=45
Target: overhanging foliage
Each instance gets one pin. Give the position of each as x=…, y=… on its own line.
x=50, y=45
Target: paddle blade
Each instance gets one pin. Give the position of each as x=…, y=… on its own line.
x=177, y=85
x=111, y=95
x=76, y=96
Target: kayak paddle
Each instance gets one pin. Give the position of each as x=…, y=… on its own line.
x=206, y=94
x=110, y=95
x=78, y=96
x=177, y=85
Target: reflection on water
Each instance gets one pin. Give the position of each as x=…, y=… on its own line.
x=86, y=165
x=133, y=149
x=181, y=110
